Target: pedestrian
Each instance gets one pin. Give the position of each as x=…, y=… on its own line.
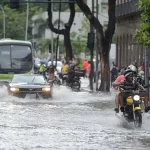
x=85, y=66
x=89, y=69
x=114, y=74
x=64, y=70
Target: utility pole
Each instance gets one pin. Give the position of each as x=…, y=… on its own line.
x=52, y=39
x=57, y=45
x=97, y=61
x=91, y=50
x=147, y=74
x=3, y=21
x=27, y=19
x=91, y=47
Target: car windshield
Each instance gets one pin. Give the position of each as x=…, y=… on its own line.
x=29, y=79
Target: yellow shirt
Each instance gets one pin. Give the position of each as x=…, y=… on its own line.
x=64, y=69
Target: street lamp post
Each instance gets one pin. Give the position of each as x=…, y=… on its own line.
x=3, y=21
x=27, y=18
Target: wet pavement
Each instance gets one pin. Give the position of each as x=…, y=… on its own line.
x=82, y=120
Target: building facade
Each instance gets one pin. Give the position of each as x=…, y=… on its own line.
x=128, y=21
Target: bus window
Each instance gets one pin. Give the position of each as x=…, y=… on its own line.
x=21, y=57
x=5, y=61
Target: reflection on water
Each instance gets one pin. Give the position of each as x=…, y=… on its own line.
x=69, y=121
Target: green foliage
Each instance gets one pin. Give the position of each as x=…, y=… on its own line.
x=77, y=9
x=43, y=45
x=143, y=33
x=16, y=22
x=6, y=76
x=79, y=40
x=3, y=2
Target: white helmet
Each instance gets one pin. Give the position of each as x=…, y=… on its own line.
x=133, y=68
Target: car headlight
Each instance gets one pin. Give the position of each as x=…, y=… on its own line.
x=47, y=89
x=136, y=97
x=14, y=89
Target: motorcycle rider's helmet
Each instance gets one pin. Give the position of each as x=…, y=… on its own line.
x=128, y=74
x=133, y=68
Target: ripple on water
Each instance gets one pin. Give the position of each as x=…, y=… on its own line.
x=71, y=120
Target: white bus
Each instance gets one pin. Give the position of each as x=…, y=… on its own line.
x=16, y=56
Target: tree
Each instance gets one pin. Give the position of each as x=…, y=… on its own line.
x=79, y=43
x=15, y=22
x=43, y=45
x=104, y=39
x=66, y=30
x=143, y=33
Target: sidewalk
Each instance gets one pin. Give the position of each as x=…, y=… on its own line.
x=85, y=84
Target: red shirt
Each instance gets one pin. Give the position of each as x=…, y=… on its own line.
x=120, y=79
x=85, y=65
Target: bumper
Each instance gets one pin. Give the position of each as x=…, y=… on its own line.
x=22, y=94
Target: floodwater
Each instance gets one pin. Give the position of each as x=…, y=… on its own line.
x=70, y=121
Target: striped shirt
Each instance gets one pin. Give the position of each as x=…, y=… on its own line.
x=129, y=86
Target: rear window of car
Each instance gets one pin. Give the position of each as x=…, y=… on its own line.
x=29, y=79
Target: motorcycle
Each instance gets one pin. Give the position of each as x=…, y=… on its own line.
x=132, y=111
x=64, y=78
x=75, y=83
x=57, y=80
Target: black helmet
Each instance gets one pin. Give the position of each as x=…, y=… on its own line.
x=128, y=72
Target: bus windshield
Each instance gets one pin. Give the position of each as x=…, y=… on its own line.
x=15, y=57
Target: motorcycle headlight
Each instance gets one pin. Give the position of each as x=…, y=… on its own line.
x=14, y=89
x=136, y=97
x=47, y=89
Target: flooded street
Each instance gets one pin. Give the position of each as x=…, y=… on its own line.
x=71, y=120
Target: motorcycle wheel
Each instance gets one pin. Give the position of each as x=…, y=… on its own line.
x=57, y=82
x=138, y=118
x=75, y=85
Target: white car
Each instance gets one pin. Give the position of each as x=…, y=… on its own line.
x=58, y=67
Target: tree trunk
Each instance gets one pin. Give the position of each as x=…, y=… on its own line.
x=105, y=72
x=104, y=39
x=67, y=43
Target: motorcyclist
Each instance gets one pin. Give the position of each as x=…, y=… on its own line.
x=65, y=68
x=116, y=85
x=51, y=70
x=64, y=71
x=130, y=84
x=71, y=72
x=42, y=69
